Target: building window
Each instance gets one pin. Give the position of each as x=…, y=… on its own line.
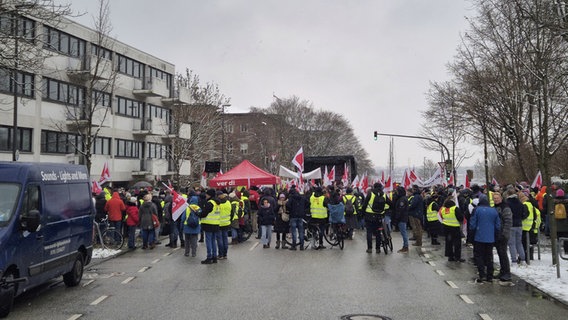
x=101, y=145
x=159, y=74
x=128, y=148
x=230, y=148
x=157, y=151
x=25, y=27
x=101, y=52
x=58, y=142
x=129, y=107
x=159, y=112
x=244, y=127
x=63, y=42
x=23, y=85
x=229, y=128
x=24, y=139
x=244, y=148
x=59, y=91
x=101, y=98
x=130, y=67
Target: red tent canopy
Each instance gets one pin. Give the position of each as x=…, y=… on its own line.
x=244, y=174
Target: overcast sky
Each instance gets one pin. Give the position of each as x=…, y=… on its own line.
x=370, y=60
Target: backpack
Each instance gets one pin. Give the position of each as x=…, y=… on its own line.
x=349, y=206
x=378, y=205
x=193, y=219
x=559, y=211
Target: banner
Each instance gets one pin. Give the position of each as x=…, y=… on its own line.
x=179, y=203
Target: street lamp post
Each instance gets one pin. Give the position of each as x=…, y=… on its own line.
x=223, y=162
x=15, y=96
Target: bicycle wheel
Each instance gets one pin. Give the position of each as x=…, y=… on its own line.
x=384, y=242
x=331, y=237
x=112, y=239
x=246, y=231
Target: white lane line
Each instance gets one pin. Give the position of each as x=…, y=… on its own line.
x=427, y=255
x=156, y=261
x=99, y=300
x=127, y=280
x=254, y=246
x=143, y=269
x=168, y=253
x=466, y=299
x=432, y=263
x=452, y=284
x=440, y=272
x=485, y=316
x=75, y=316
x=88, y=283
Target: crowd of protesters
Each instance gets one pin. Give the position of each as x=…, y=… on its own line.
x=508, y=219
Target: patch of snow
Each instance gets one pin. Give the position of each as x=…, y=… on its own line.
x=104, y=253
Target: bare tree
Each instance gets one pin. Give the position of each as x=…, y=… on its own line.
x=204, y=115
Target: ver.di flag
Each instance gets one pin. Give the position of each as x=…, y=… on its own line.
x=105, y=174
x=537, y=182
x=179, y=204
x=298, y=160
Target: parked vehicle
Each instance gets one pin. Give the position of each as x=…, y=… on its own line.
x=46, y=226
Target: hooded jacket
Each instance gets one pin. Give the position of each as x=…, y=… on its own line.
x=115, y=207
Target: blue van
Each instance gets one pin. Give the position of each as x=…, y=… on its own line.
x=46, y=226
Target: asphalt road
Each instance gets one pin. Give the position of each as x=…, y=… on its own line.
x=257, y=283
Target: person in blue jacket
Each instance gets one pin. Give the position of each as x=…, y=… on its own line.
x=486, y=223
x=190, y=230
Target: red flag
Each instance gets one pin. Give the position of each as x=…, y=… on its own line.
x=345, y=178
x=364, y=183
x=203, y=182
x=451, y=182
x=467, y=182
x=494, y=182
x=331, y=176
x=105, y=174
x=179, y=204
x=298, y=160
x=96, y=187
x=406, y=180
x=537, y=183
x=388, y=185
x=383, y=178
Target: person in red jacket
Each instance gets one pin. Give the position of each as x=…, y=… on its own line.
x=132, y=220
x=114, y=207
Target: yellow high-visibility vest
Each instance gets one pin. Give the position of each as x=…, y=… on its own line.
x=213, y=218
x=316, y=207
x=431, y=215
x=528, y=222
x=449, y=216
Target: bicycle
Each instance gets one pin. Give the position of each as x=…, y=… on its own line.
x=245, y=231
x=386, y=239
x=109, y=238
x=337, y=235
x=310, y=231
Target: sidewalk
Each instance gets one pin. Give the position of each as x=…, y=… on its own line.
x=542, y=274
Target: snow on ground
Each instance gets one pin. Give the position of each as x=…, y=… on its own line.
x=542, y=274
x=104, y=253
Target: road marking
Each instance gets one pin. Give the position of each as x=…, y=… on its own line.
x=88, y=283
x=440, y=272
x=75, y=316
x=99, y=300
x=452, y=284
x=427, y=256
x=143, y=269
x=466, y=299
x=485, y=316
x=254, y=246
x=156, y=261
x=432, y=263
x=127, y=280
x=168, y=253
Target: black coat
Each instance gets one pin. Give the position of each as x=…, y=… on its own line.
x=297, y=205
x=266, y=215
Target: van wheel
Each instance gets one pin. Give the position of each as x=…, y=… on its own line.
x=73, y=277
x=7, y=293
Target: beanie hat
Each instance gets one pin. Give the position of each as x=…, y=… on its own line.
x=559, y=193
x=211, y=193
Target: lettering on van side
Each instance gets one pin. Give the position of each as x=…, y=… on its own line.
x=57, y=247
x=63, y=176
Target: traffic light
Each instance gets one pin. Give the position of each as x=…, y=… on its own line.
x=376, y=135
x=449, y=169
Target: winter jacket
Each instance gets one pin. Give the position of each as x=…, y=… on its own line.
x=280, y=225
x=266, y=215
x=518, y=210
x=145, y=212
x=187, y=229
x=115, y=207
x=485, y=221
x=416, y=205
x=100, y=203
x=297, y=205
x=132, y=218
x=506, y=218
